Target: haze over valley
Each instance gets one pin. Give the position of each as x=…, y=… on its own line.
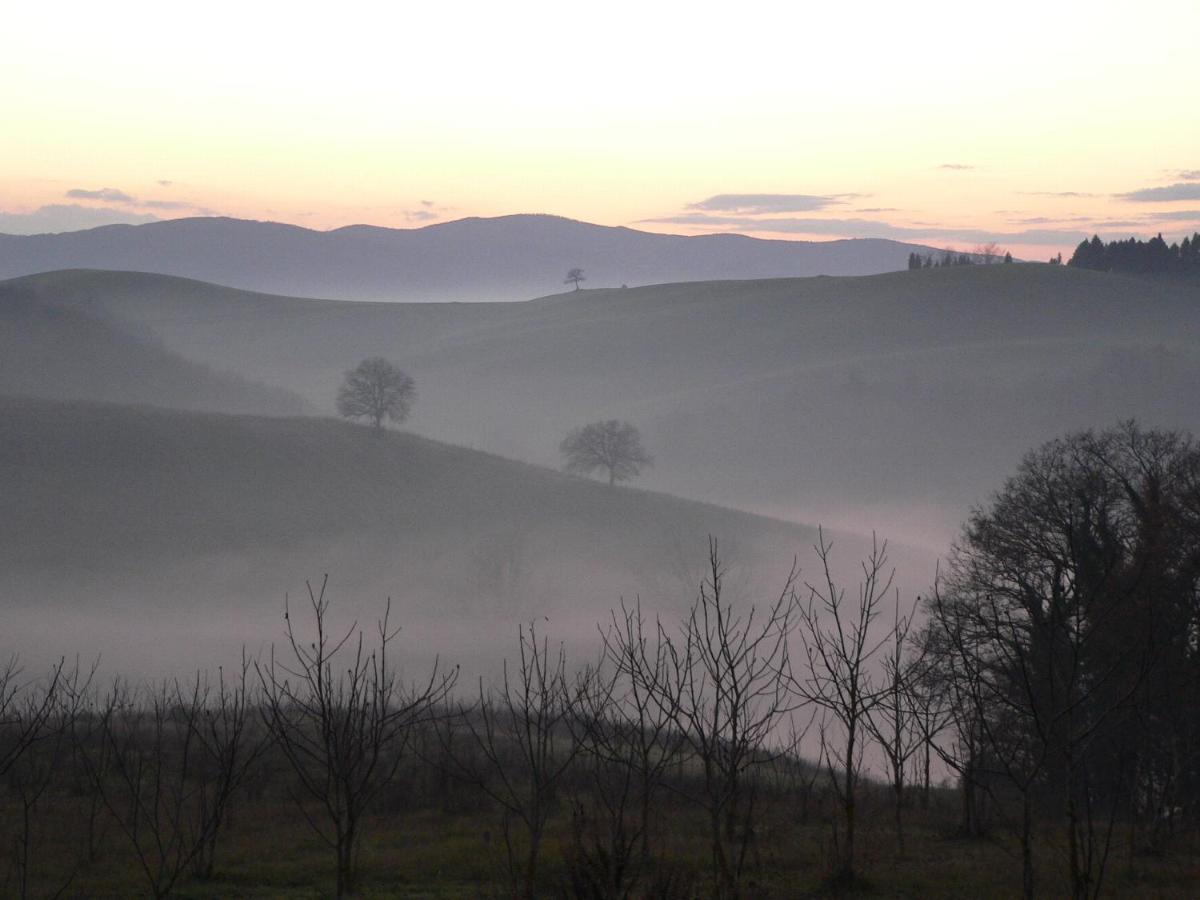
x=630, y=453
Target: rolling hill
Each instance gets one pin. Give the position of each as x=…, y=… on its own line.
x=891, y=401
x=505, y=258
x=124, y=529
x=52, y=351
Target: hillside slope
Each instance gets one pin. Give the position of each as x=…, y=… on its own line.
x=53, y=351
x=141, y=531
x=123, y=484
x=510, y=257
x=886, y=401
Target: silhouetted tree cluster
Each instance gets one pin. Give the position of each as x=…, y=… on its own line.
x=945, y=259
x=1152, y=257
x=1063, y=640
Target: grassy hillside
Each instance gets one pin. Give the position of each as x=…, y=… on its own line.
x=115, y=485
x=123, y=529
x=54, y=351
x=890, y=401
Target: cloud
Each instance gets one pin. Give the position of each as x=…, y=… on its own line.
x=1175, y=215
x=1050, y=220
x=164, y=182
x=429, y=211
x=1189, y=175
x=956, y=167
x=107, y=195
x=765, y=204
x=871, y=228
x=174, y=205
x=1164, y=194
x=878, y=209
x=67, y=217
x=1055, y=194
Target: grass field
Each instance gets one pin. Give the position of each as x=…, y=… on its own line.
x=429, y=838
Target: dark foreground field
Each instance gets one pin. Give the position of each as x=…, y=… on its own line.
x=432, y=838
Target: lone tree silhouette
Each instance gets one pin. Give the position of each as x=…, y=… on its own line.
x=376, y=390
x=612, y=446
x=574, y=276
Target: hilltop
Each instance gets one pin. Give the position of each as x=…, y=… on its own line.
x=504, y=258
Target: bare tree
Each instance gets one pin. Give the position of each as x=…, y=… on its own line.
x=625, y=718
x=892, y=720
x=839, y=648
x=228, y=745
x=376, y=390
x=988, y=253
x=731, y=673
x=611, y=446
x=574, y=276
x=931, y=708
x=522, y=733
x=37, y=720
x=343, y=730
x=24, y=710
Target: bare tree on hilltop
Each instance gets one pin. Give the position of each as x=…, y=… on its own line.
x=574, y=276
x=613, y=446
x=376, y=389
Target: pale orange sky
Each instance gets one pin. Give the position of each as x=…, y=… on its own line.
x=1029, y=123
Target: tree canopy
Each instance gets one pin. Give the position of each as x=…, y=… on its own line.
x=612, y=446
x=1152, y=257
x=376, y=390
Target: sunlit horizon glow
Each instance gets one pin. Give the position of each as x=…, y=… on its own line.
x=1030, y=125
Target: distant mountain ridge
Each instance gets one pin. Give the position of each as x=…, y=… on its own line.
x=504, y=258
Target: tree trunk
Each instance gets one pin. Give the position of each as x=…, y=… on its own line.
x=1027, y=846
x=925, y=782
x=847, y=866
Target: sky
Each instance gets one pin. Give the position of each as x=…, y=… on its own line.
x=1029, y=124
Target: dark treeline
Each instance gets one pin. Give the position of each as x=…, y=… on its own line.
x=1066, y=639
x=986, y=255
x=1053, y=673
x=1152, y=257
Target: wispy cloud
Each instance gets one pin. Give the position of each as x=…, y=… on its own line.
x=1051, y=220
x=1176, y=215
x=766, y=204
x=1166, y=194
x=121, y=198
x=1189, y=175
x=59, y=217
x=1056, y=194
x=177, y=206
x=428, y=211
x=107, y=195
x=869, y=228
x=956, y=167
